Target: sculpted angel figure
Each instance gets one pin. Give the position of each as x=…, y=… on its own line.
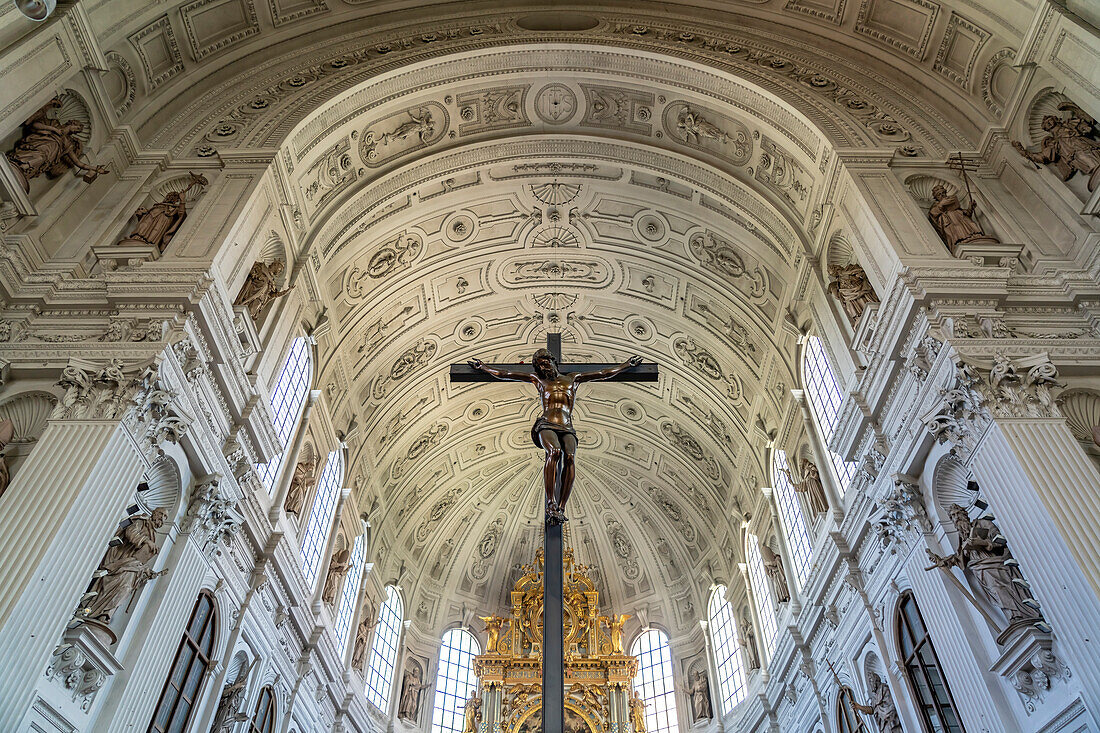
x=852, y=288
x=696, y=128
x=955, y=224
x=157, y=224
x=615, y=624
x=810, y=485
x=553, y=430
x=125, y=566
x=881, y=705
x=261, y=287
x=50, y=147
x=1069, y=146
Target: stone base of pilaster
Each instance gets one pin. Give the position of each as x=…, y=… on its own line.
x=1029, y=663
x=79, y=668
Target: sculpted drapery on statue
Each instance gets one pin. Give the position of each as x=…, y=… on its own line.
x=955, y=224
x=983, y=550
x=473, y=715
x=7, y=432
x=881, y=705
x=50, y=147
x=362, y=636
x=773, y=566
x=699, y=690
x=810, y=485
x=157, y=224
x=305, y=474
x=411, y=687
x=261, y=287
x=851, y=287
x=229, y=703
x=337, y=569
x=637, y=713
x=125, y=566
x=1070, y=145
x=748, y=641
x=553, y=430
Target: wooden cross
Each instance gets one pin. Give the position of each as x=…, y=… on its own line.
x=553, y=643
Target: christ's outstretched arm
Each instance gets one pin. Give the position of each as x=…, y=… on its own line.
x=609, y=372
x=503, y=374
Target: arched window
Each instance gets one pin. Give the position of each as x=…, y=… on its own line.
x=654, y=681
x=313, y=539
x=825, y=397
x=762, y=592
x=848, y=719
x=456, y=682
x=383, y=649
x=263, y=719
x=794, y=521
x=350, y=591
x=922, y=669
x=286, y=402
x=184, y=683
x=727, y=650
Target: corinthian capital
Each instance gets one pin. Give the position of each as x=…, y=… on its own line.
x=212, y=512
x=94, y=392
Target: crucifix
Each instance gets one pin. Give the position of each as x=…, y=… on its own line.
x=553, y=431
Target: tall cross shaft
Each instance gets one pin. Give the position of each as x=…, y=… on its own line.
x=553, y=641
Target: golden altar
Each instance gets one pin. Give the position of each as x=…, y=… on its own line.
x=598, y=674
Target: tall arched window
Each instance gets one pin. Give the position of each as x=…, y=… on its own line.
x=456, y=682
x=848, y=720
x=383, y=649
x=825, y=397
x=727, y=650
x=184, y=683
x=263, y=719
x=794, y=521
x=313, y=539
x=287, y=399
x=350, y=591
x=762, y=592
x=654, y=681
x=922, y=669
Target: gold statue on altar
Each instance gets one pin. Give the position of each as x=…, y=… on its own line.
x=598, y=674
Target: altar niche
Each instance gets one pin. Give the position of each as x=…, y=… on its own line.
x=598, y=674
x=553, y=431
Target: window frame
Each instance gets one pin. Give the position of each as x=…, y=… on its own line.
x=825, y=398
x=268, y=723
x=449, y=704
x=659, y=693
x=793, y=519
x=914, y=661
x=846, y=714
x=287, y=400
x=378, y=683
x=766, y=609
x=315, y=533
x=349, y=593
x=199, y=645
x=729, y=659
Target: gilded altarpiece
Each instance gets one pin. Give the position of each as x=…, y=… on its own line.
x=598, y=674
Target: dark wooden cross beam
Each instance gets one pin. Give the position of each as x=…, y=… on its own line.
x=553, y=642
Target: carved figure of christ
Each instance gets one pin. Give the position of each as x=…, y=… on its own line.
x=557, y=386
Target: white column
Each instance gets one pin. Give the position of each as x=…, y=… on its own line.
x=290, y=460
x=821, y=456
x=56, y=518
x=1045, y=494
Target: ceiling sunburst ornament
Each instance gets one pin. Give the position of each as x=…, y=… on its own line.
x=555, y=237
x=555, y=301
x=556, y=193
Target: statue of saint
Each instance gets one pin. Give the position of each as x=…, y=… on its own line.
x=699, y=690
x=125, y=566
x=615, y=625
x=362, y=634
x=229, y=711
x=773, y=566
x=984, y=551
x=492, y=630
x=473, y=715
x=637, y=713
x=159, y=222
x=7, y=432
x=261, y=287
x=337, y=569
x=955, y=224
x=881, y=705
x=852, y=288
x=300, y=484
x=51, y=147
x=553, y=430
x=1069, y=147
x=810, y=485
x=748, y=641
x=411, y=686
